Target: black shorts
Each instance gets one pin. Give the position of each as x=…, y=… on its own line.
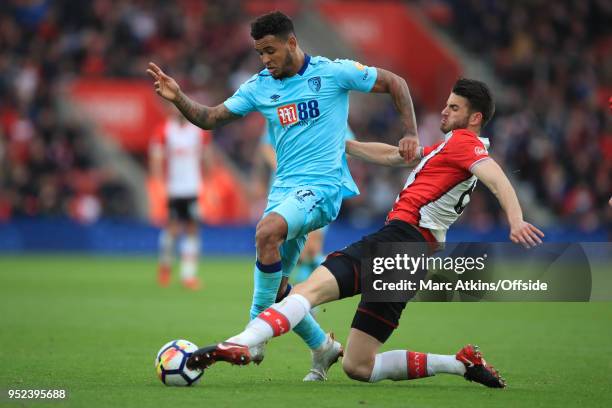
x=183, y=209
x=378, y=319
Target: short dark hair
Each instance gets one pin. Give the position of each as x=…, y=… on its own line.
x=274, y=23
x=478, y=95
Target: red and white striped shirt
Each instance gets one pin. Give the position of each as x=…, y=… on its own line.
x=439, y=188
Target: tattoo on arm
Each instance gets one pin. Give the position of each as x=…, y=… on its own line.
x=388, y=82
x=204, y=116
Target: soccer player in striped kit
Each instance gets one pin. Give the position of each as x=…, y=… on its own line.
x=435, y=194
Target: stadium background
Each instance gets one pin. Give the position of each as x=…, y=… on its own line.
x=77, y=112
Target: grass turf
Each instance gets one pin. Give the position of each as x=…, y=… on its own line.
x=92, y=326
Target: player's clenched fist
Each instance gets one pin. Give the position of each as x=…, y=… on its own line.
x=165, y=86
x=408, y=148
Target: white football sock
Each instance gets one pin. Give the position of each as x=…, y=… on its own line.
x=166, y=248
x=190, y=249
x=391, y=365
x=437, y=363
x=407, y=365
x=276, y=320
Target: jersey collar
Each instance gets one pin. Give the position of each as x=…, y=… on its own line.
x=484, y=140
x=306, y=62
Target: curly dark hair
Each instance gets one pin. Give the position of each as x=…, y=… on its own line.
x=274, y=23
x=478, y=95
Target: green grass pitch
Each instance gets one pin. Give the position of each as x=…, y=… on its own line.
x=92, y=326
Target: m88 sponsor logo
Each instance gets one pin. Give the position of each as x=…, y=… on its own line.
x=293, y=113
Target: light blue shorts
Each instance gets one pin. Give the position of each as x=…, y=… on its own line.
x=305, y=208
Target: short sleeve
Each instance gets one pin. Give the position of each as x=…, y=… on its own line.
x=241, y=102
x=465, y=152
x=352, y=75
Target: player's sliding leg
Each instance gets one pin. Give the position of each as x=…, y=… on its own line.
x=373, y=324
x=167, y=239
x=190, y=250
x=362, y=362
x=276, y=320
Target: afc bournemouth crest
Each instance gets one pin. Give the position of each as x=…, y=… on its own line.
x=315, y=84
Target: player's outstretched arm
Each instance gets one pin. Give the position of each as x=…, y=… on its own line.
x=378, y=153
x=396, y=86
x=521, y=232
x=203, y=116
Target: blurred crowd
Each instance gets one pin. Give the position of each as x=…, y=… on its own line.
x=552, y=130
x=47, y=166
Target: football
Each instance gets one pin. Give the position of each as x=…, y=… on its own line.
x=170, y=364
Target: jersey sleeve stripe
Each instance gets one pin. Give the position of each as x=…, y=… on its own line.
x=478, y=161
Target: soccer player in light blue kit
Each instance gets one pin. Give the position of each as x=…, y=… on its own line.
x=305, y=102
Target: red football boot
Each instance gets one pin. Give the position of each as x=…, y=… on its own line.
x=231, y=352
x=476, y=368
x=163, y=275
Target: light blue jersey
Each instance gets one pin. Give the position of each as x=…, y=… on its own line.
x=307, y=119
x=266, y=139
